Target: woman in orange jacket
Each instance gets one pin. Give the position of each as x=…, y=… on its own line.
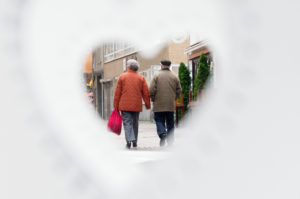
x=131, y=89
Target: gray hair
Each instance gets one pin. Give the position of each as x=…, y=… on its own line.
x=133, y=64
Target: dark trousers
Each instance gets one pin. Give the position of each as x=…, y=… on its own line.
x=131, y=125
x=165, y=124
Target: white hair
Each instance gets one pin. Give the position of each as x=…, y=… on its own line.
x=133, y=64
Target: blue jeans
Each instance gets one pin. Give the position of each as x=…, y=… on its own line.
x=165, y=124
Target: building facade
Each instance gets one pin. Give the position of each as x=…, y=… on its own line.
x=98, y=73
x=196, y=48
x=109, y=61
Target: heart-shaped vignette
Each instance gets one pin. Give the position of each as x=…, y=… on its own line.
x=191, y=61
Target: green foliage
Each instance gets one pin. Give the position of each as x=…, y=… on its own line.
x=185, y=81
x=195, y=93
x=202, y=75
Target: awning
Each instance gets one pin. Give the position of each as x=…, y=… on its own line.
x=105, y=80
x=198, y=46
x=88, y=64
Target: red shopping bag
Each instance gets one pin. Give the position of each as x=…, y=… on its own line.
x=115, y=122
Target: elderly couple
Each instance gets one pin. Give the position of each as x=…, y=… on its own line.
x=132, y=88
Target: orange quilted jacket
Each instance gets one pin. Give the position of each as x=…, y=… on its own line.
x=130, y=90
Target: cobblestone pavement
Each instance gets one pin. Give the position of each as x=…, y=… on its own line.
x=148, y=150
x=147, y=137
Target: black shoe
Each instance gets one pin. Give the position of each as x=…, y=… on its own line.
x=162, y=139
x=128, y=145
x=134, y=144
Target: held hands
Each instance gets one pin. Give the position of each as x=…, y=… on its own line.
x=148, y=107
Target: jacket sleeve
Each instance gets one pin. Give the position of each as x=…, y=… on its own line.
x=153, y=89
x=178, y=88
x=145, y=94
x=117, y=94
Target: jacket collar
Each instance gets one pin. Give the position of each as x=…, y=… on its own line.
x=131, y=71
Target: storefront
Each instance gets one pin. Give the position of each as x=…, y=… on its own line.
x=193, y=53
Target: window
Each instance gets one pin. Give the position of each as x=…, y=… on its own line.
x=115, y=50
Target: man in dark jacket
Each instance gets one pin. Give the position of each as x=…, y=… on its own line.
x=164, y=90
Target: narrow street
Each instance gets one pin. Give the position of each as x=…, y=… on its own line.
x=148, y=139
x=148, y=149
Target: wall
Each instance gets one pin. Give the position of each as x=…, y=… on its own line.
x=146, y=63
x=115, y=67
x=176, y=52
x=98, y=60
